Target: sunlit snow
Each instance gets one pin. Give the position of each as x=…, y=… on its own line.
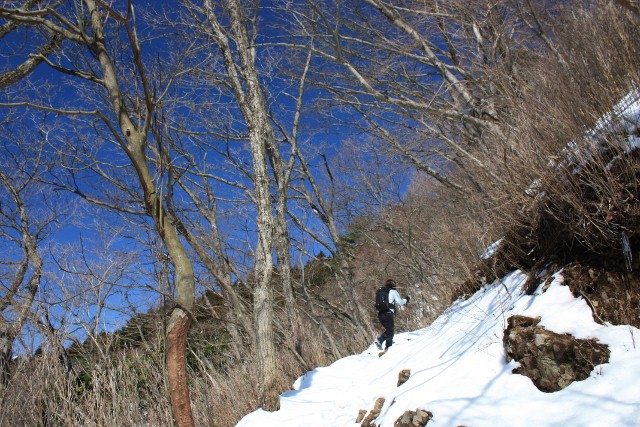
x=459, y=371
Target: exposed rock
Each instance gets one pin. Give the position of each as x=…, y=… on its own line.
x=403, y=376
x=361, y=414
x=377, y=407
x=417, y=418
x=552, y=361
x=610, y=290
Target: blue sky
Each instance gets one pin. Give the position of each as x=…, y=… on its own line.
x=97, y=233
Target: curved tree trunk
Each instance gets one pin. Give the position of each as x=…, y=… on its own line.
x=132, y=136
x=180, y=319
x=135, y=144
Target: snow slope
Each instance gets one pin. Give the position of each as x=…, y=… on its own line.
x=459, y=372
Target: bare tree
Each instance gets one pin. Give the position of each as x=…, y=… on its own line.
x=17, y=298
x=426, y=79
x=237, y=47
x=51, y=44
x=208, y=246
x=91, y=29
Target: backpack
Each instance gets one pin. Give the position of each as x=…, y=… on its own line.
x=382, y=299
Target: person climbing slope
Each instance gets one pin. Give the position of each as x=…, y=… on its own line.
x=386, y=299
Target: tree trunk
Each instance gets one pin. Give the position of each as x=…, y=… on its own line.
x=259, y=133
x=180, y=319
x=10, y=328
x=250, y=98
x=135, y=147
x=177, y=330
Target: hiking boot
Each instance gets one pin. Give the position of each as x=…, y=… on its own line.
x=379, y=344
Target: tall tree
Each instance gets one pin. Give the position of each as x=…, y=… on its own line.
x=93, y=34
x=237, y=46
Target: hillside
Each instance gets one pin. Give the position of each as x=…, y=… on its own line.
x=553, y=342
x=460, y=374
x=200, y=199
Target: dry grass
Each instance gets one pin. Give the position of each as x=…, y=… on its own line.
x=125, y=390
x=573, y=191
x=430, y=244
x=128, y=387
x=558, y=197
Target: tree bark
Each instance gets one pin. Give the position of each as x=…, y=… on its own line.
x=177, y=331
x=135, y=147
x=248, y=91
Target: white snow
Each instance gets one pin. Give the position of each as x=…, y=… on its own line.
x=458, y=366
x=488, y=253
x=459, y=371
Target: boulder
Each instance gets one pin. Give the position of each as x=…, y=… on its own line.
x=403, y=376
x=417, y=418
x=551, y=360
x=377, y=407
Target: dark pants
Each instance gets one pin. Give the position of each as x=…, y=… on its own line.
x=386, y=318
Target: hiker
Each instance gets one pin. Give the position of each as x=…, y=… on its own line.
x=386, y=297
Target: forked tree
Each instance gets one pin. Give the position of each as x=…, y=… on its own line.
x=92, y=32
